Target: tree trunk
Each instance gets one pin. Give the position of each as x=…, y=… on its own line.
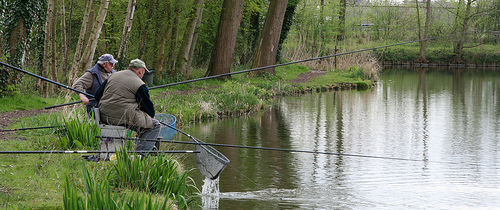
x=223, y=52
x=88, y=54
x=142, y=46
x=183, y=57
x=70, y=19
x=162, y=56
x=127, y=27
x=459, y=46
x=64, y=39
x=423, y=44
x=173, y=41
x=48, y=49
x=343, y=9
x=195, y=39
x=17, y=44
x=418, y=20
x=75, y=67
x=53, y=44
x=268, y=44
x=287, y=25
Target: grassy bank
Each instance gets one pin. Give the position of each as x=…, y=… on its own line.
x=486, y=53
x=42, y=180
x=242, y=94
x=436, y=51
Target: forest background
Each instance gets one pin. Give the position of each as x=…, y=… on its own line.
x=60, y=39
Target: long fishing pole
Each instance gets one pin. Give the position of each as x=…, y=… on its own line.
x=299, y=61
x=48, y=80
x=267, y=148
x=84, y=152
x=277, y=65
x=70, y=103
x=198, y=142
x=33, y=128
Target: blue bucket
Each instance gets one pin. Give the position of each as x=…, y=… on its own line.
x=167, y=133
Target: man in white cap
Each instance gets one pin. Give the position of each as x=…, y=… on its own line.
x=93, y=78
x=124, y=100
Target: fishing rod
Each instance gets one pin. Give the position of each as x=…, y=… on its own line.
x=277, y=65
x=48, y=80
x=198, y=142
x=70, y=103
x=299, y=61
x=23, y=129
x=84, y=152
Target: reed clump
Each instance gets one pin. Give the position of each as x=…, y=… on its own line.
x=98, y=194
x=80, y=131
x=143, y=177
x=365, y=62
x=155, y=174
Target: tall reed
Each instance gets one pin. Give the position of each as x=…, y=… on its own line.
x=80, y=132
x=364, y=61
x=99, y=195
x=157, y=174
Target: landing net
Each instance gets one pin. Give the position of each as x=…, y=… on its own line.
x=210, y=161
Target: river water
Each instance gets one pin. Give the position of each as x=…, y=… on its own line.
x=443, y=125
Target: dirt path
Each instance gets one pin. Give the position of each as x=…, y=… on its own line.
x=7, y=118
x=305, y=77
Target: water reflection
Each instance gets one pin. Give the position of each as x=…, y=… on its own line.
x=430, y=115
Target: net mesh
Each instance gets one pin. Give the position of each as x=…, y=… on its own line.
x=210, y=161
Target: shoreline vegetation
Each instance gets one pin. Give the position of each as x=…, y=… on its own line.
x=56, y=181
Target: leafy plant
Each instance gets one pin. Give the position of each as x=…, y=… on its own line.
x=99, y=195
x=154, y=174
x=79, y=134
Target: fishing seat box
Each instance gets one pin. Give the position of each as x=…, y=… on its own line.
x=109, y=144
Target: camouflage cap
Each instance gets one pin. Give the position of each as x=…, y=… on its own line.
x=139, y=63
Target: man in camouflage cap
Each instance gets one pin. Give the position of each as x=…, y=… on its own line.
x=124, y=100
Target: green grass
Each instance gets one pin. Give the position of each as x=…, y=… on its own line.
x=33, y=181
x=20, y=101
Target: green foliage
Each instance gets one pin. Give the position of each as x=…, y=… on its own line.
x=79, y=134
x=287, y=25
x=71, y=198
x=154, y=174
x=233, y=96
x=236, y=96
x=208, y=29
x=18, y=23
x=99, y=195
